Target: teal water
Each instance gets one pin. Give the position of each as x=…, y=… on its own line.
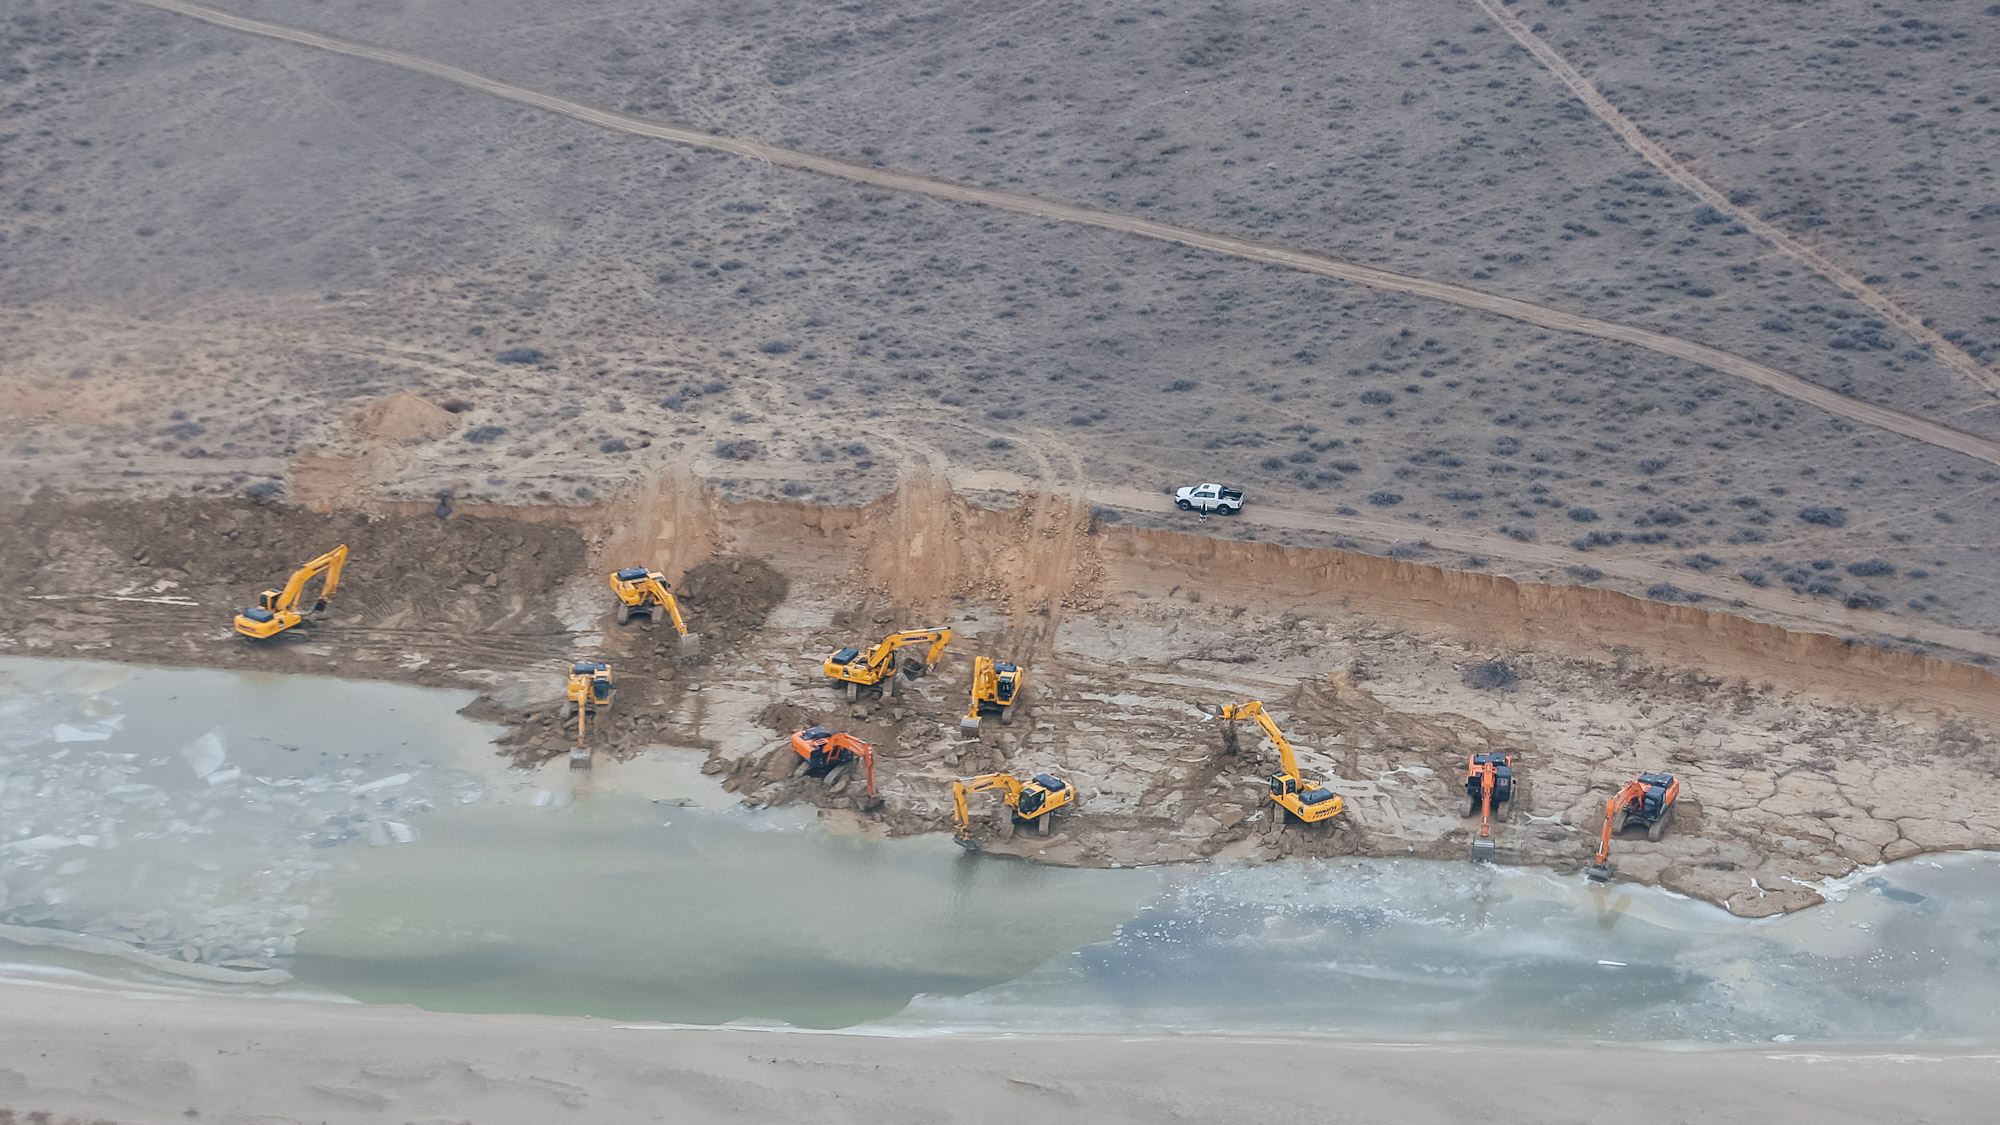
x=369, y=840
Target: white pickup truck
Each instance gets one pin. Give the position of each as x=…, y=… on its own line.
x=1210, y=498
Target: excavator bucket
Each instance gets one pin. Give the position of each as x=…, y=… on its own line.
x=579, y=757
x=1598, y=873
x=969, y=724
x=968, y=843
x=690, y=646
x=1483, y=849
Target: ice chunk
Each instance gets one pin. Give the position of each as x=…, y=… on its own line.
x=205, y=754
x=378, y=836
x=44, y=843
x=542, y=799
x=66, y=733
x=223, y=777
x=382, y=783
x=402, y=832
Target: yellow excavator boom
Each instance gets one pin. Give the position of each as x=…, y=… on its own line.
x=278, y=610
x=1307, y=800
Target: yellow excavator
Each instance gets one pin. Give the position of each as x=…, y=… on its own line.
x=590, y=691
x=995, y=687
x=1034, y=801
x=278, y=610
x=1310, y=801
x=642, y=591
x=858, y=669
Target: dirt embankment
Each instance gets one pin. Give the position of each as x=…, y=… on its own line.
x=1802, y=755
x=1497, y=610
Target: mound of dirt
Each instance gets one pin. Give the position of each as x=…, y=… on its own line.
x=729, y=597
x=401, y=419
x=163, y=577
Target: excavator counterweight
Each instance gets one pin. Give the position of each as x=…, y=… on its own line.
x=1034, y=801
x=642, y=592
x=995, y=688
x=857, y=669
x=278, y=610
x=1647, y=802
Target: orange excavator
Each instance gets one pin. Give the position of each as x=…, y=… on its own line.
x=825, y=751
x=1648, y=803
x=1489, y=780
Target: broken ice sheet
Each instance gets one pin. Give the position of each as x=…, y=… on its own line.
x=382, y=783
x=64, y=732
x=205, y=754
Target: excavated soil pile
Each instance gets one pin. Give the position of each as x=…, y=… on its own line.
x=161, y=579
x=731, y=598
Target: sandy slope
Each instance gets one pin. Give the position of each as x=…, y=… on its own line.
x=129, y=1056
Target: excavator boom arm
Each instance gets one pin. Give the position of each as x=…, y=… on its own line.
x=962, y=818
x=673, y=606
x=1287, y=760
x=896, y=642
x=329, y=564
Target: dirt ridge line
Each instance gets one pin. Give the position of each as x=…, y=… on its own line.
x=997, y=550
x=1894, y=421
x=1784, y=608
x=1636, y=139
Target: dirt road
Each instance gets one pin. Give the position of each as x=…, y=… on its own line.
x=1894, y=421
x=1636, y=139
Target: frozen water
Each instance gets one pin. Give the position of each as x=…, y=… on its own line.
x=151, y=837
x=229, y=818
x=1412, y=948
x=205, y=754
x=382, y=783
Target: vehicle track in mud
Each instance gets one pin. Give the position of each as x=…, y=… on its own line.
x=1894, y=421
x=1812, y=257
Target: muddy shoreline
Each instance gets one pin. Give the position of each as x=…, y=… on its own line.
x=1803, y=756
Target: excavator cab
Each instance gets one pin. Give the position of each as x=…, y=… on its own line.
x=995, y=687
x=642, y=592
x=1034, y=801
x=278, y=610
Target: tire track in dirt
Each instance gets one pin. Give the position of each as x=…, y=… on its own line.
x=1636, y=139
x=1894, y=421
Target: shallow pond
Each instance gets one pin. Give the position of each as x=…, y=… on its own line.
x=365, y=838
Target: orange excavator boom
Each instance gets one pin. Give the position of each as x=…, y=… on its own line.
x=1648, y=800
